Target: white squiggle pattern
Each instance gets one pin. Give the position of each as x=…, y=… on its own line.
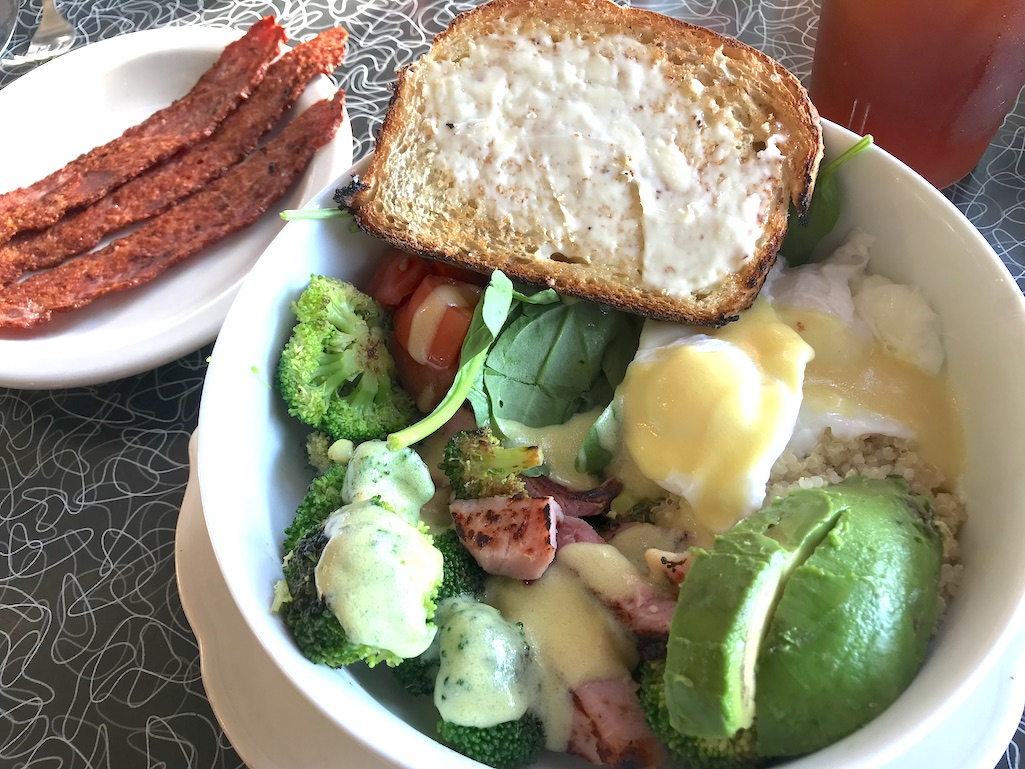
x=98, y=666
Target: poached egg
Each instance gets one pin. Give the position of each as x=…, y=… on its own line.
x=707, y=412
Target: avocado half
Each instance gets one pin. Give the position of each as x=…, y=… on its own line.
x=725, y=605
x=806, y=619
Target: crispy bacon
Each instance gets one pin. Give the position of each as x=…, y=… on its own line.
x=92, y=175
x=156, y=190
x=228, y=204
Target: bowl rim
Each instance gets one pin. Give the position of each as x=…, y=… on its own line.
x=396, y=751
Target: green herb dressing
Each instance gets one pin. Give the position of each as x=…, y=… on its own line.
x=486, y=675
x=400, y=479
x=376, y=573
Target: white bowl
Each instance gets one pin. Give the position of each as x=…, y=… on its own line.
x=252, y=470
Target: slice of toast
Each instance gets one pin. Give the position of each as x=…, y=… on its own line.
x=613, y=154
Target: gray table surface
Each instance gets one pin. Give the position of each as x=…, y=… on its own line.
x=98, y=665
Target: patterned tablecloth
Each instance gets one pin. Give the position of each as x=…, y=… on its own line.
x=98, y=665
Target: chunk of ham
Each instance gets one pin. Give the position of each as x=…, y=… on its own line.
x=572, y=530
x=575, y=504
x=511, y=537
x=615, y=581
x=609, y=727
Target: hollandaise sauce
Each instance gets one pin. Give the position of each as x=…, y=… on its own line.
x=707, y=415
x=575, y=638
x=850, y=374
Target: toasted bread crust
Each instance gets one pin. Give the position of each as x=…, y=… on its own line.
x=405, y=203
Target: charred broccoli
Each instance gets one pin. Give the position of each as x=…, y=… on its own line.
x=739, y=752
x=335, y=372
x=389, y=603
x=405, y=574
x=322, y=498
x=477, y=465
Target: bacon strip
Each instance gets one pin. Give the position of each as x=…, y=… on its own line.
x=157, y=189
x=92, y=175
x=228, y=204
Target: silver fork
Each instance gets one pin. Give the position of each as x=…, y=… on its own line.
x=53, y=37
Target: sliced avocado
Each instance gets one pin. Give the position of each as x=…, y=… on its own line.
x=724, y=609
x=853, y=623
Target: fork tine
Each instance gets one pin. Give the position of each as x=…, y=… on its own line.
x=54, y=32
x=53, y=37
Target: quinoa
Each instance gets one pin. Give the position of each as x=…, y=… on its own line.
x=878, y=456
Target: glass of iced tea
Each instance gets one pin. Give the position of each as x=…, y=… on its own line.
x=931, y=80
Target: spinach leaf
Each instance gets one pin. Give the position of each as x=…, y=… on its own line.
x=554, y=361
x=599, y=444
x=489, y=317
x=823, y=211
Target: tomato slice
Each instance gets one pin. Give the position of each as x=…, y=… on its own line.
x=426, y=384
x=429, y=332
x=432, y=324
x=396, y=278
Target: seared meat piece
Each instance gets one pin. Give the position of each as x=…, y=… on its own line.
x=609, y=726
x=512, y=537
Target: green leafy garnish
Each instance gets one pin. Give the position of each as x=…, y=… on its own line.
x=823, y=211
x=489, y=317
x=300, y=214
x=534, y=359
x=558, y=360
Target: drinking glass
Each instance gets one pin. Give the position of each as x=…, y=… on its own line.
x=931, y=80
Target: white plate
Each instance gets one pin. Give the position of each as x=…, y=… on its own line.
x=271, y=725
x=82, y=100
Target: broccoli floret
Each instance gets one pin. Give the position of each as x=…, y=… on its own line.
x=315, y=627
x=367, y=535
x=322, y=451
x=462, y=576
x=322, y=498
x=412, y=570
x=486, y=716
x=504, y=746
x=335, y=372
x=477, y=465
x=739, y=752
x=317, y=445
x=316, y=630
